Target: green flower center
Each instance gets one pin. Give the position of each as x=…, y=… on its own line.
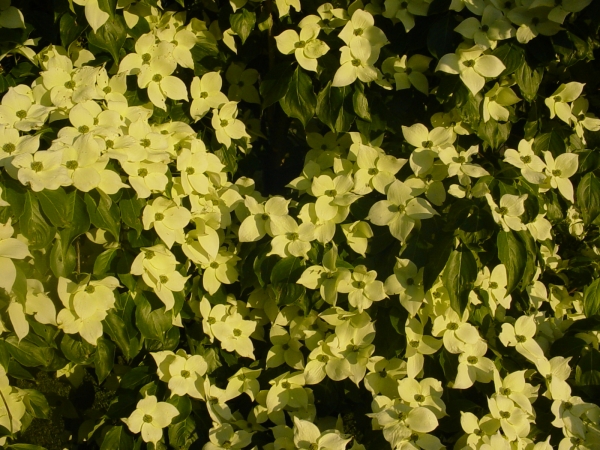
x=356, y=62
x=146, y=57
x=145, y=142
x=410, y=281
x=525, y=159
x=190, y=170
x=286, y=385
x=331, y=193
x=293, y=236
x=159, y=216
x=107, y=89
x=70, y=84
x=83, y=129
x=157, y=78
x=323, y=358
x=469, y=63
x=264, y=217
x=185, y=373
x=148, y=254
x=493, y=285
x=505, y=391
x=460, y=159
x=556, y=172
x=485, y=28
x=502, y=210
x=419, y=398
x=567, y=405
x=214, y=265
x=9, y=148
x=472, y=359
x=203, y=94
x=237, y=332
x=373, y=171
x=504, y=414
x=110, y=143
x=383, y=373
x=452, y=326
x=72, y=165
x=211, y=320
x=90, y=289
x=37, y=166
x=21, y=114
x=520, y=338
x=163, y=279
x=147, y=418
x=359, y=284
x=427, y=144
x=549, y=378
x=224, y=123
x=142, y=172
x=414, y=344
x=358, y=32
x=300, y=44
x=285, y=347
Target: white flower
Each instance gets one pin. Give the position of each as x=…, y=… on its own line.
x=206, y=94
x=557, y=102
x=520, y=335
x=559, y=171
x=305, y=47
x=150, y=417
x=356, y=62
x=509, y=211
x=531, y=165
x=95, y=16
x=472, y=66
x=226, y=126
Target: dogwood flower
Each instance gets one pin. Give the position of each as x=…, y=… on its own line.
x=514, y=387
x=356, y=62
x=427, y=145
x=509, y=211
x=156, y=77
x=42, y=170
x=520, y=335
x=308, y=436
x=459, y=163
x=531, y=165
x=234, y=333
x=361, y=27
x=19, y=109
x=305, y=46
x=495, y=102
x=513, y=420
x=10, y=248
x=555, y=371
x=85, y=306
x=224, y=436
x=405, y=11
x=219, y=269
x=376, y=170
x=226, y=126
x=581, y=118
x=168, y=219
x=472, y=66
x=362, y=287
x=559, y=171
x=455, y=330
x=150, y=417
x=206, y=94
x=532, y=22
x=407, y=281
x=285, y=349
x=182, y=372
x=357, y=235
x=283, y=6
x=400, y=211
x=407, y=72
x=473, y=366
x=557, y=103
x=418, y=345
x=287, y=389
x=492, y=28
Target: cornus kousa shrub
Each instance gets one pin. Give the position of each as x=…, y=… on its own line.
x=277, y=224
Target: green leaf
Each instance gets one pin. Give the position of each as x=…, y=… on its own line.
x=183, y=405
x=459, y=275
x=287, y=270
x=274, y=85
x=108, y=6
x=102, y=263
x=76, y=349
x=152, y=323
x=288, y=293
x=441, y=38
x=117, y=438
x=62, y=260
x=181, y=434
x=511, y=55
x=115, y=327
x=30, y=351
x=104, y=213
x=242, y=22
x=529, y=80
x=57, y=205
x=334, y=108
x=24, y=447
x=104, y=359
x=110, y=36
x=33, y=224
x=512, y=253
x=552, y=142
x=36, y=404
x=437, y=259
x=360, y=102
x=70, y=29
x=131, y=210
x=531, y=263
x=588, y=198
x=79, y=221
x=494, y=133
x=591, y=299
x=300, y=100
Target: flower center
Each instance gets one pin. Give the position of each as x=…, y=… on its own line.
x=556, y=172
x=157, y=78
x=285, y=347
x=359, y=284
x=427, y=144
x=90, y=289
x=148, y=254
x=493, y=285
x=358, y=32
x=21, y=114
x=163, y=279
x=107, y=89
x=37, y=166
x=203, y=94
x=485, y=28
x=472, y=359
x=419, y=398
x=214, y=265
x=145, y=142
x=567, y=405
x=410, y=281
x=460, y=160
x=286, y=385
x=331, y=193
x=147, y=418
x=356, y=62
x=469, y=63
x=70, y=84
x=520, y=338
x=502, y=210
x=110, y=143
x=146, y=57
x=224, y=123
x=190, y=170
x=373, y=171
x=505, y=391
x=9, y=148
x=142, y=172
x=300, y=44
x=452, y=326
x=83, y=129
x=525, y=159
x=211, y=320
x=323, y=358
x=383, y=373
x=72, y=165
x=159, y=216
x=414, y=344
x=237, y=332
x=504, y=414
x=185, y=373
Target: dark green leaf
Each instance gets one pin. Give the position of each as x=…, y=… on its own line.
x=138, y=376
x=511, y=55
x=274, y=85
x=494, y=133
x=110, y=36
x=131, y=210
x=588, y=198
x=529, y=80
x=70, y=29
x=181, y=433
x=36, y=404
x=552, y=142
x=332, y=109
x=360, y=102
x=117, y=438
x=57, y=206
x=104, y=213
x=531, y=263
x=152, y=323
x=102, y=262
x=437, y=259
x=108, y=6
x=104, y=359
x=62, y=260
x=242, y=23
x=33, y=224
x=287, y=270
x=512, y=253
x=442, y=38
x=76, y=349
x=300, y=99
x=183, y=405
x=591, y=299
x=458, y=277
x=127, y=341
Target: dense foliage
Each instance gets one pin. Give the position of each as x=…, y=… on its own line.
x=285, y=224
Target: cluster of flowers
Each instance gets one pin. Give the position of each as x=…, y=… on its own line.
x=193, y=206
